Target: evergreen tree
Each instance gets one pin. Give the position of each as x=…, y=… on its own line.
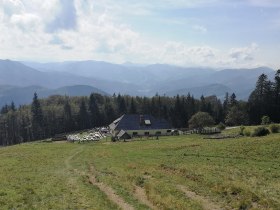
x=190, y=105
x=5, y=109
x=84, y=121
x=153, y=107
x=233, y=101
x=121, y=105
x=13, y=107
x=276, y=87
x=132, y=109
x=176, y=116
x=110, y=113
x=203, y=105
x=95, y=116
x=68, y=118
x=261, y=100
x=37, y=118
x=226, y=104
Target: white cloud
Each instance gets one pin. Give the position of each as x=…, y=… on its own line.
x=96, y=32
x=26, y=22
x=244, y=53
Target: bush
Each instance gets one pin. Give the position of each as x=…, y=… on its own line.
x=201, y=120
x=260, y=131
x=241, y=132
x=265, y=120
x=113, y=139
x=221, y=126
x=274, y=128
x=247, y=132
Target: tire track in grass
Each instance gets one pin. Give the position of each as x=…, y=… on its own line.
x=91, y=178
x=140, y=194
x=206, y=204
x=112, y=196
x=68, y=159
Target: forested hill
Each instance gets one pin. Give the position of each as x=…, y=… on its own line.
x=60, y=114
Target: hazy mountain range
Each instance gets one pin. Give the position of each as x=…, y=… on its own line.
x=19, y=80
x=24, y=95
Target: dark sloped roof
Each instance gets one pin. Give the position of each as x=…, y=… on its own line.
x=132, y=122
x=123, y=135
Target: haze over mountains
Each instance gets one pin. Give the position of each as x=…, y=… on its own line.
x=19, y=80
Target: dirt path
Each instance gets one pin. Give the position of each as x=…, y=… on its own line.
x=140, y=194
x=108, y=191
x=112, y=196
x=206, y=204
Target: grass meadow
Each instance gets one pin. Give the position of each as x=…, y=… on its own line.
x=241, y=173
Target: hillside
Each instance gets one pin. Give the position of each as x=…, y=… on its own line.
x=184, y=172
x=24, y=95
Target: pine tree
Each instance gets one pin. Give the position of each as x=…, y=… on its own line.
x=276, y=87
x=95, y=116
x=68, y=118
x=132, y=109
x=233, y=101
x=37, y=118
x=109, y=112
x=261, y=100
x=84, y=121
x=13, y=107
x=121, y=105
x=203, y=105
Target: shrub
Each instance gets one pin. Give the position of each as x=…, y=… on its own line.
x=247, y=132
x=241, y=132
x=274, y=128
x=260, y=131
x=265, y=120
x=139, y=181
x=201, y=120
x=221, y=126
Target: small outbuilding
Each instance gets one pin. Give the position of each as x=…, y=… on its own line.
x=123, y=135
x=132, y=125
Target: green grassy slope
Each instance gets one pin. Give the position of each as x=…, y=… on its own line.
x=239, y=173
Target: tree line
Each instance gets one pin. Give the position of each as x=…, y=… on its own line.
x=62, y=114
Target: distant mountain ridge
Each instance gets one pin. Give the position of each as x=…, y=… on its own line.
x=24, y=95
x=207, y=90
x=142, y=80
x=17, y=74
x=162, y=78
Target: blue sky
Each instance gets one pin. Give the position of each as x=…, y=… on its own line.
x=214, y=33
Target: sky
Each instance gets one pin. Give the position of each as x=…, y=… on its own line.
x=210, y=33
